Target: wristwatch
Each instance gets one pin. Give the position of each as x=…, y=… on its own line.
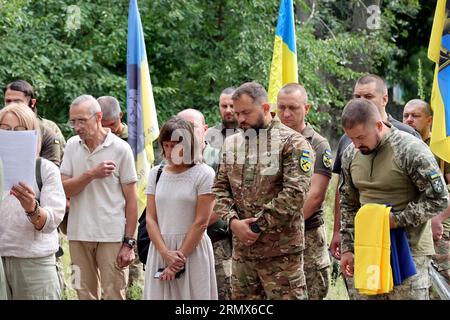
x=130, y=242
x=254, y=226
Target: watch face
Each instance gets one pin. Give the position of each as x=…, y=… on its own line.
x=255, y=227
x=129, y=241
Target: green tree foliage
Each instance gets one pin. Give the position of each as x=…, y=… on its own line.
x=196, y=48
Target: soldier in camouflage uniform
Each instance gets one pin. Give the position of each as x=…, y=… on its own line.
x=260, y=190
x=418, y=114
x=386, y=166
x=292, y=105
x=222, y=243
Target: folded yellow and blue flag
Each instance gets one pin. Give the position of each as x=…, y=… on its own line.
x=402, y=262
x=373, y=273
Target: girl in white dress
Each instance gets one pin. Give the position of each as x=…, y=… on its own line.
x=180, y=262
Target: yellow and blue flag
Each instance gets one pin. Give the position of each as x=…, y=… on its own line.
x=141, y=112
x=284, y=59
x=439, y=52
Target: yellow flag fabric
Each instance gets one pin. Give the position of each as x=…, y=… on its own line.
x=438, y=51
x=372, y=272
x=284, y=68
x=141, y=111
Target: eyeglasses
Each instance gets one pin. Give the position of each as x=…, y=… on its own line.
x=5, y=126
x=81, y=122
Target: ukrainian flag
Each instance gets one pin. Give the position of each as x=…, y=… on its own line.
x=141, y=113
x=284, y=60
x=439, y=52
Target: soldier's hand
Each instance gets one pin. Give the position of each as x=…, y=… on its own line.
x=103, y=169
x=347, y=264
x=241, y=229
x=437, y=228
x=335, y=245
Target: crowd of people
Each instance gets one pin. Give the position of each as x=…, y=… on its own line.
x=234, y=211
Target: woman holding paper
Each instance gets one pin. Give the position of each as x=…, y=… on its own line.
x=30, y=215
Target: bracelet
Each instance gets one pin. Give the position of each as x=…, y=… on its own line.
x=31, y=214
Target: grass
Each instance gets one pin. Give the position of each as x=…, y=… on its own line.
x=337, y=289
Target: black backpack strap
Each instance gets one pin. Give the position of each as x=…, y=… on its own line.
x=38, y=173
x=158, y=174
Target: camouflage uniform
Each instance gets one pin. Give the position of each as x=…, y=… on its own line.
x=222, y=247
x=316, y=257
x=401, y=172
x=271, y=185
x=52, y=143
x=442, y=246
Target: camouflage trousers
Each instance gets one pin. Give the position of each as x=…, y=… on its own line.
x=269, y=278
x=222, y=259
x=442, y=256
x=413, y=288
x=316, y=263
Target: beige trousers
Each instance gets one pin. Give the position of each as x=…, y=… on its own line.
x=95, y=269
x=31, y=278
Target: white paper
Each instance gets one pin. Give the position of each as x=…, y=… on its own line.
x=18, y=154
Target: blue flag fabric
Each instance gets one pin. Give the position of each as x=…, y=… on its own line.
x=402, y=262
x=141, y=112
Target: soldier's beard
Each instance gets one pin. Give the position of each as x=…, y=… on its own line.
x=366, y=150
x=230, y=124
x=257, y=126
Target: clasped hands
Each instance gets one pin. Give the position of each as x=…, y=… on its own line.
x=176, y=261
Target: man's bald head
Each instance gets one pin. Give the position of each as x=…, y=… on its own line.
x=193, y=116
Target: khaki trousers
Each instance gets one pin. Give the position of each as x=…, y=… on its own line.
x=95, y=269
x=31, y=278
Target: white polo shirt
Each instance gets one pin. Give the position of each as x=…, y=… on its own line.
x=98, y=212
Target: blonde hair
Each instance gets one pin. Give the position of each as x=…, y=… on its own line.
x=26, y=116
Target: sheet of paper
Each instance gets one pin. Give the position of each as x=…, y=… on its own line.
x=18, y=154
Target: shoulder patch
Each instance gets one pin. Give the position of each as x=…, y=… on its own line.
x=327, y=158
x=436, y=181
x=305, y=160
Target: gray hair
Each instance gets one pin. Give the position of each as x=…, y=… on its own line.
x=94, y=107
x=227, y=91
x=110, y=107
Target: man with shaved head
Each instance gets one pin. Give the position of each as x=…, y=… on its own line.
x=217, y=229
x=99, y=176
x=293, y=106
x=374, y=89
x=387, y=166
x=418, y=114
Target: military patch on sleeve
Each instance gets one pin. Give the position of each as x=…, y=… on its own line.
x=436, y=181
x=305, y=160
x=327, y=158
